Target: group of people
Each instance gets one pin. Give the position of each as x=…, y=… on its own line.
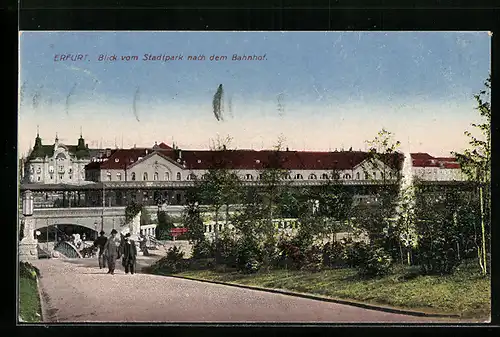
x=112, y=248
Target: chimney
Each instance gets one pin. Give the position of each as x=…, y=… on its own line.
x=180, y=153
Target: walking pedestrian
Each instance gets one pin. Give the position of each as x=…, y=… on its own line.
x=129, y=251
x=100, y=242
x=112, y=250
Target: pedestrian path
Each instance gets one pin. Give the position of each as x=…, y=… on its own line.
x=78, y=291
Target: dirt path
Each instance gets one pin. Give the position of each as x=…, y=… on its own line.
x=78, y=291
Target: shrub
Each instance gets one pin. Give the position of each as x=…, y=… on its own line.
x=313, y=259
x=172, y=263
x=27, y=270
x=226, y=251
x=251, y=266
x=333, y=255
x=354, y=253
x=248, y=255
x=203, y=249
x=290, y=255
x=377, y=263
x=437, y=256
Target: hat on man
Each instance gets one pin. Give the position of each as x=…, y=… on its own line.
x=114, y=231
x=102, y=233
x=127, y=235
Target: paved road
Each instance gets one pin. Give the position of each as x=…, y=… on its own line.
x=78, y=291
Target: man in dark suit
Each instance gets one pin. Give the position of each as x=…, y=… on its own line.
x=129, y=254
x=100, y=242
x=111, y=248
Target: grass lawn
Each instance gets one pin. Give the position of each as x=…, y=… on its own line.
x=465, y=293
x=29, y=301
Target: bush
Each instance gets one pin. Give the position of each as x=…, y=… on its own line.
x=226, y=251
x=370, y=261
x=313, y=259
x=333, y=255
x=437, y=256
x=354, y=253
x=27, y=270
x=248, y=255
x=290, y=255
x=173, y=262
x=377, y=263
x=203, y=249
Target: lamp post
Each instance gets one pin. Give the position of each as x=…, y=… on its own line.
x=95, y=228
x=103, y=205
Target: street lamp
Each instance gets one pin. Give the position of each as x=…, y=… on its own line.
x=28, y=203
x=95, y=228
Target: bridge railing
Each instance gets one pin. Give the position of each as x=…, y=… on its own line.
x=67, y=249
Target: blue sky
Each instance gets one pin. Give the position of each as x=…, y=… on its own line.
x=332, y=84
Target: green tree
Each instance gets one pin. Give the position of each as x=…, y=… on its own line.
x=165, y=224
x=191, y=218
x=476, y=165
x=382, y=166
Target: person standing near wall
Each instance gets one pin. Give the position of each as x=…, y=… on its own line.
x=129, y=254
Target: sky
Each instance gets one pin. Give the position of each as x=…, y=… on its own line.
x=317, y=91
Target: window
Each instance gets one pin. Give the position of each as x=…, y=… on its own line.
x=178, y=176
x=324, y=176
x=119, y=176
x=191, y=176
x=133, y=176
x=312, y=176
x=61, y=168
x=299, y=176
x=261, y=176
x=51, y=169
x=145, y=176
x=288, y=176
x=155, y=176
x=108, y=174
x=357, y=175
x=70, y=170
x=70, y=177
x=390, y=175
x=38, y=178
x=249, y=177
x=38, y=170
x=60, y=176
x=366, y=176
x=374, y=175
x=347, y=176
x=167, y=176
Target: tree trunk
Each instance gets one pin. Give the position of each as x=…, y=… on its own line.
x=483, y=233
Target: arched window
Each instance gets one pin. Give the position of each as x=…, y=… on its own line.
x=299, y=176
x=357, y=175
x=178, y=176
x=133, y=176
x=108, y=174
x=288, y=176
x=324, y=176
x=167, y=176
x=312, y=176
x=191, y=176
x=347, y=176
x=155, y=176
x=145, y=176
x=249, y=177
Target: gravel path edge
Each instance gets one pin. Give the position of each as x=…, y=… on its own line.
x=325, y=299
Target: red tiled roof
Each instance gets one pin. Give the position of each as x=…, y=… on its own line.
x=451, y=165
x=247, y=159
